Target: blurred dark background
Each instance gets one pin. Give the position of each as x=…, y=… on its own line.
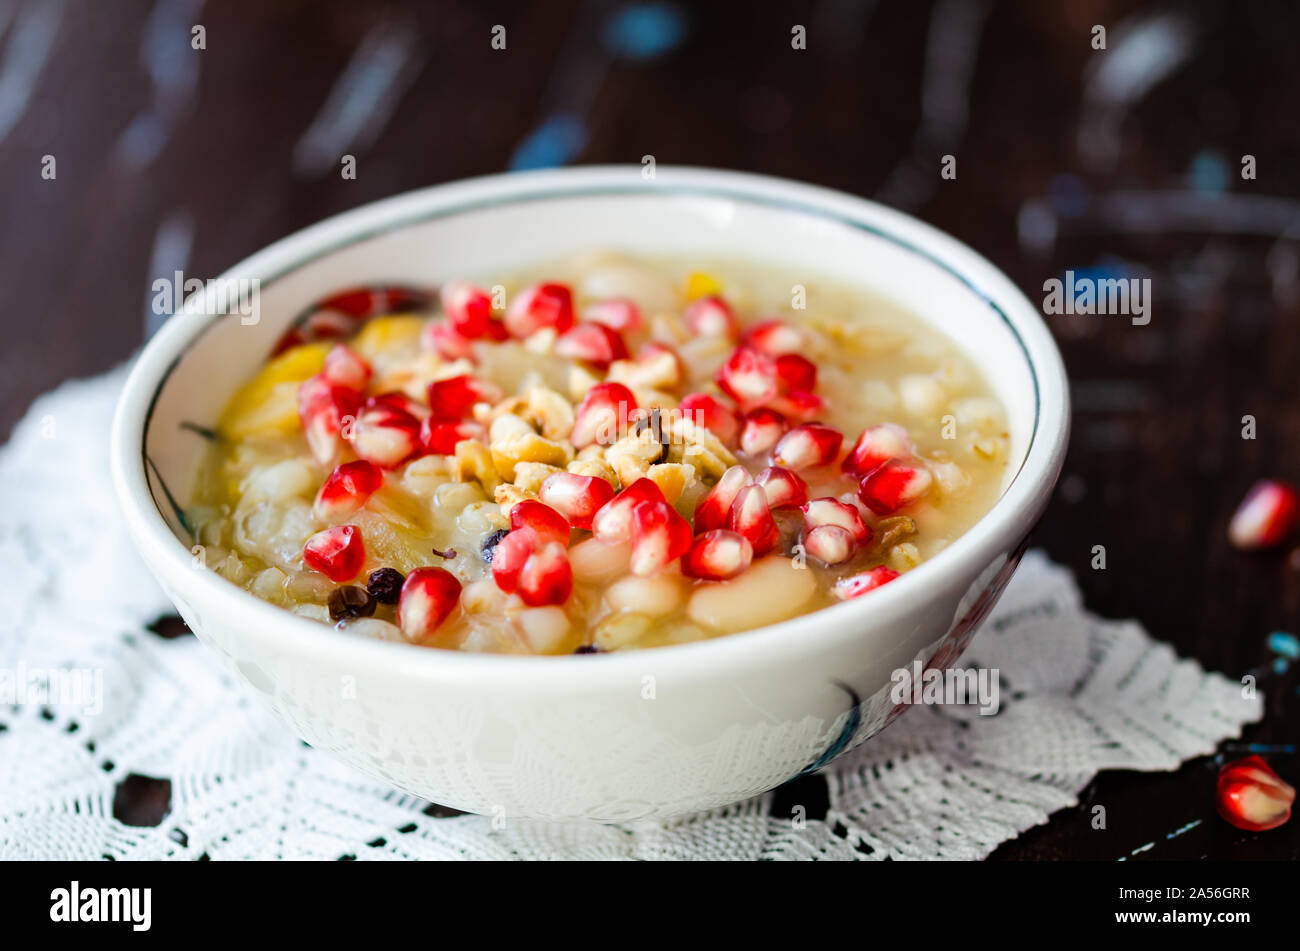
x=1125, y=162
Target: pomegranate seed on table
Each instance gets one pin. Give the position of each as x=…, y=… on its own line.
x=751, y=517
x=576, y=497
x=749, y=376
x=760, y=430
x=718, y=555
x=1250, y=796
x=798, y=405
x=807, y=446
x=714, y=509
x=384, y=435
x=593, y=343
x=876, y=446
x=613, y=522
x=775, y=337
x=547, y=576
x=659, y=536
x=892, y=486
x=345, y=368
x=829, y=544
x=443, y=340
x=795, y=373
x=468, y=308
x=704, y=410
x=828, y=511
x=338, y=553
x=857, y=585
x=428, y=596
x=346, y=490
x=542, y=305
x=711, y=316
x=542, y=519
x=1266, y=516
x=603, y=415
x=322, y=408
x=783, y=488
x=439, y=436
x=457, y=395
x=620, y=315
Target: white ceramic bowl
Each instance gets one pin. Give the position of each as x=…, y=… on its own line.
x=626, y=735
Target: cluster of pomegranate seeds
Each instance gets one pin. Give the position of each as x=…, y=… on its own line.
x=338, y=553
x=1266, y=517
x=428, y=596
x=533, y=566
x=341, y=314
x=346, y=490
x=1250, y=796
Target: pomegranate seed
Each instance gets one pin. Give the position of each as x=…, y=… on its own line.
x=1265, y=517
x=602, y=415
x=714, y=509
x=496, y=331
x=547, y=577
x=829, y=544
x=620, y=315
x=439, y=436
x=428, y=596
x=614, y=520
x=808, y=445
x=876, y=446
x=549, y=524
x=397, y=401
x=749, y=376
x=718, y=555
x=346, y=490
x=795, y=373
x=659, y=536
x=338, y=553
x=751, y=517
x=857, y=585
x=828, y=511
x=775, y=337
x=542, y=305
x=384, y=434
x=594, y=343
x=711, y=317
x=371, y=301
x=710, y=413
x=576, y=497
x=799, y=405
x=891, y=486
x=345, y=368
x=1250, y=796
x=783, y=488
x=468, y=308
x=456, y=396
x=443, y=340
x=510, y=555
x=760, y=430
x=322, y=408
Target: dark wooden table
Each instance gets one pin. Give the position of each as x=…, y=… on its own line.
x=169, y=157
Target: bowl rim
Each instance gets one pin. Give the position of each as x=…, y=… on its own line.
x=998, y=530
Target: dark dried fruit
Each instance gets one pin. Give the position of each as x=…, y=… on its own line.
x=350, y=601
x=385, y=585
x=588, y=649
x=489, y=547
x=449, y=553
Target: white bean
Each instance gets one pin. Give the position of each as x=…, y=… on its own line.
x=543, y=628
x=655, y=596
x=772, y=590
x=598, y=562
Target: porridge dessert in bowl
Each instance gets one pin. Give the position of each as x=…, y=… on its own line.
x=608, y=454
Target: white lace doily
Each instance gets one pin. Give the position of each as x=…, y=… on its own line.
x=1078, y=695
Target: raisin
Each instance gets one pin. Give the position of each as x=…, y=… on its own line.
x=350, y=601
x=489, y=547
x=588, y=649
x=385, y=585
